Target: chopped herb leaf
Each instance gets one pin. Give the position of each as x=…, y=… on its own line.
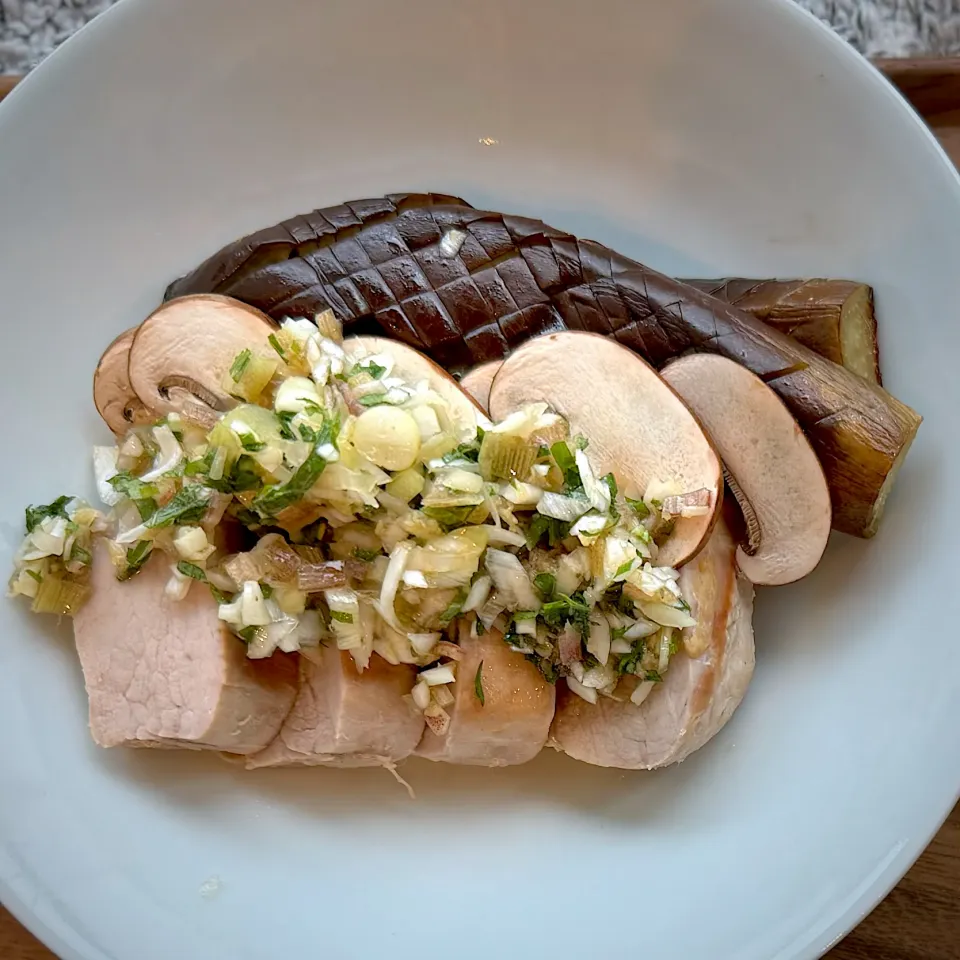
x=36, y=576
x=368, y=556
x=624, y=568
x=247, y=517
x=481, y=629
x=581, y=443
x=546, y=583
x=188, y=506
x=617, y=633
x=372, y=399
x=240, y=363
x=466, y=451
x=371, y=367
x=137, y=556
x=639, y=507
x=525, y=615
x=454, y=608
x=133, y=487
x=307, y=432
x=250, y=443
x=478, y=685
x=79, y=554
x=547, y=667
x=653, y=676
x=276, y=498
x=248, y=634
x=146, y=508
x=540, y=526
x=564, y=609
x=240, y=477
x=36, y=515
x=275, y=343
x=448, y=517
x=611, y=481
x=266, y=590
x=218, y=594
x=567, y=464
x=286, y=429
x=341, y=617
x=674, y=645
x=196, y=468
x=191, y=570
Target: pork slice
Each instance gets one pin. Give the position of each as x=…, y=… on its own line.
x=512, y=723
x=704, y=685
x=162, y=672
x=345, y=718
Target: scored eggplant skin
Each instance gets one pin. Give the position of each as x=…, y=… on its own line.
x=467, y=286
x=834, y=318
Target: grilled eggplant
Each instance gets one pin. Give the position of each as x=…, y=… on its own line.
x=467, y=286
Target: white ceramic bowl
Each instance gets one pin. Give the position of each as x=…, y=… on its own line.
x=705, y=136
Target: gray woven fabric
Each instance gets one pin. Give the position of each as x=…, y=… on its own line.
x=30, y=29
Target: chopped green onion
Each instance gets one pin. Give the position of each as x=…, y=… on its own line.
x=275, y=343
x=478, y=685
x=240, y=363
x=639, y=507
x=624, y=568
x=191, y=570
x=453, y=609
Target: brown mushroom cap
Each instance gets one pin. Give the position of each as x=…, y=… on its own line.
x=770, y=461
x=186, y=346
x=638, y=428
x=478, y=381
x=113, y=395
x=413, y=367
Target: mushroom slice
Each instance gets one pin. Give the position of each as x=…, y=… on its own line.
x=705, y=684
x=638, y=428
x=510, y=724
x=776, y=476
x=414, y=368
x=478, y=381
x=113, y=395
x=185, y=347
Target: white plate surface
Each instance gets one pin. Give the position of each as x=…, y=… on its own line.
x=705, y=136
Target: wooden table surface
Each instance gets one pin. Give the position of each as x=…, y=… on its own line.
x=920, y=919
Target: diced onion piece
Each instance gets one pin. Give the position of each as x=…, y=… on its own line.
x=295, y=393
x=521, y=494
x=170, y=455
x=444, y=673
x=600, y=678
x=642, y=628
x=191, y=544
x=406, y=485
x=511, y=580
x=442, y=695
x=479, y=593
x=501, y=536
x=572, y=570
x=423, y=643
x=598, y=642
x=427, y=422
x=415, y=579
x=460, y=480
x=589, y=527
x=527, y=628
x=388, y=437
x=586, y=693
x=666, y=636
x=560, y=507
x=345, y=617
x=598, y=493
x=621, y=646
x=642, y=691
x=665, y=615
x=253, y=607
x=105, y=467
x=421, y=694
x=437, y=719
x=399, y=557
